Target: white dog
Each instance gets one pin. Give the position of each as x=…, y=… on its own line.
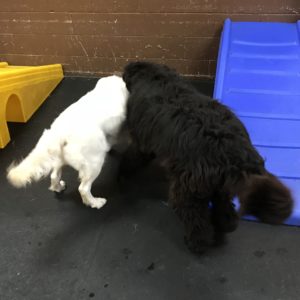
x=80, y=137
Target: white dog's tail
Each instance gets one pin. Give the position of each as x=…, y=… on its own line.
x=37, y=164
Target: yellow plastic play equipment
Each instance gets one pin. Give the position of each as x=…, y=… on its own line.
x=22, y=90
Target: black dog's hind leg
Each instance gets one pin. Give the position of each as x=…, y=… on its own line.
x=193, y=210
x=224, y=216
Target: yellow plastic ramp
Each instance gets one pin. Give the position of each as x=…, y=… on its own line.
x=22, y=90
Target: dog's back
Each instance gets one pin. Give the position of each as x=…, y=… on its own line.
x=172, y=118
x=102, y=108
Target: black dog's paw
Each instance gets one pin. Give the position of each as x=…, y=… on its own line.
x=199, y=242
x=228, y=222
x=197, y=246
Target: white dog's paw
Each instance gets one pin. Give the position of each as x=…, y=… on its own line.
x=59, y=187
x=97, y=202
x=62, y=185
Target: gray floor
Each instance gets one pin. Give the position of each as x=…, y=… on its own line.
x=56, y=248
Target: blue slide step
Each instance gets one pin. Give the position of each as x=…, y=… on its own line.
x=258, y=77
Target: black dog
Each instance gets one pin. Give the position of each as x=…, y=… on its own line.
x=206, y=151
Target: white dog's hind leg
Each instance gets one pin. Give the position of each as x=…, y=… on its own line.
x=57, y=185
x=87, y=174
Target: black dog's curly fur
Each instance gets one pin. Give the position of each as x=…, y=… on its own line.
x=206, y=151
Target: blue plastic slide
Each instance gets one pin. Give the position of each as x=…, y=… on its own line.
x=258, y=77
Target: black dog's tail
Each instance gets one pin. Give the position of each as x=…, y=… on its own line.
x=267, y=198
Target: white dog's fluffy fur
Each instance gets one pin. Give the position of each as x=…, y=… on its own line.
x=79, y=137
